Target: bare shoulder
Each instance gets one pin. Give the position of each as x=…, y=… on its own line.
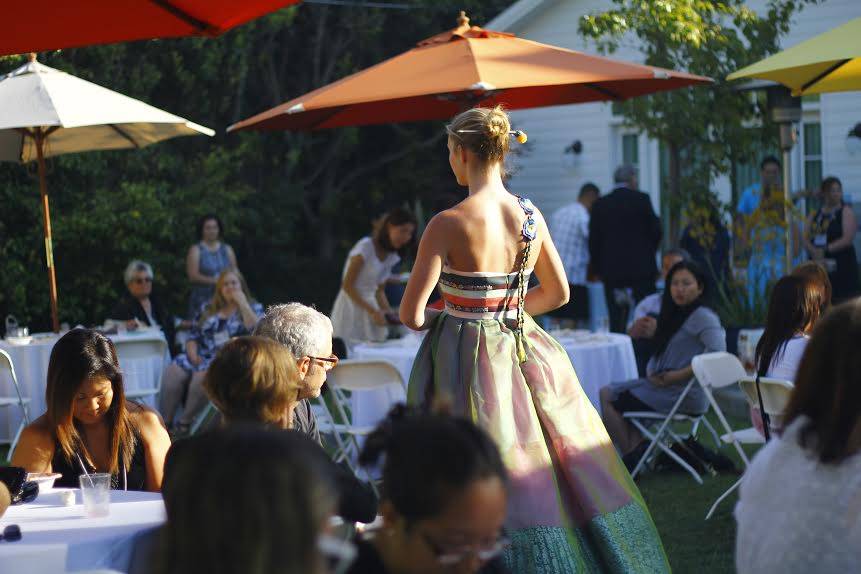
x=444, y=221
x=145, y=420
x=38, y=433
x=194, y=250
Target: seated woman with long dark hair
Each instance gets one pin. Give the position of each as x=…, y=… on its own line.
x=444, y=498
x=89, y=426
x=686, y=328
x=798, y=508
x=796, y=304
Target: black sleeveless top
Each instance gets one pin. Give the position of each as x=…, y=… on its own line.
x=844, y=279
x=135, y=474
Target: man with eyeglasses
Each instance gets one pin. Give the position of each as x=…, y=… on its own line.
x=307, y=334
x=140, y=307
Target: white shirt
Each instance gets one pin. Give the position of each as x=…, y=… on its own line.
x=569, y=228
x=784, y=364
x=796, y=514
x=649, y=305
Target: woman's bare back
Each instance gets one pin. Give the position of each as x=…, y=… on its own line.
x=486, y=234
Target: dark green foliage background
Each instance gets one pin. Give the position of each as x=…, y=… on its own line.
x=292, y=204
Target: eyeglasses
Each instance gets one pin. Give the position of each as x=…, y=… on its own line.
x=142, y=280
x=449, y=557
x=329, y=362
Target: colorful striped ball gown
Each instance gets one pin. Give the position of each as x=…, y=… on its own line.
x=572, y=504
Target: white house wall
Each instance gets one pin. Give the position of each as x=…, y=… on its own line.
x=551, y=178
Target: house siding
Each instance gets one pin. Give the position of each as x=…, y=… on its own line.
x=551, y=178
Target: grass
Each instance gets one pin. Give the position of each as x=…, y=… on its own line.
x=679, y=506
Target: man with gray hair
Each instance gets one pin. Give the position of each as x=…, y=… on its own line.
x=307, y=334
x=624, y=234
x=139, y=306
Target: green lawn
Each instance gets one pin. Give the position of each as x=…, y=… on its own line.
x=679, y=506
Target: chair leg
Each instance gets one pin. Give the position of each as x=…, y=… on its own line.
x=666, y=423
x=728, y=429
x=14, y=442
x=656, y=443
x=722, y=496
x=713, y=432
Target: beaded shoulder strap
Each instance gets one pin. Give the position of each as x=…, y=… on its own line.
x=529, y=232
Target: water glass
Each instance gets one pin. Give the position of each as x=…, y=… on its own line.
x=96, y=494
x=604, y=324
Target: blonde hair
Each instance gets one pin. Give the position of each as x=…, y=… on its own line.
x=486, y=132
x=218, y=301
x=253, y=379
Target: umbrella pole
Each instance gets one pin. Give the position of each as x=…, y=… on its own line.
x=39, y=137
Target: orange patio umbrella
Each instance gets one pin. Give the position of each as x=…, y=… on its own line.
x=37, y=25
x=461, y=68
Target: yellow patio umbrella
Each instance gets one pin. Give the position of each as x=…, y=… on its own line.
x=829, y=62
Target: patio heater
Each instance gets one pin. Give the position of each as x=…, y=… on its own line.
x=785, y=111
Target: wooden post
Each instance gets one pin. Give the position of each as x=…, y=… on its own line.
x=39, y=138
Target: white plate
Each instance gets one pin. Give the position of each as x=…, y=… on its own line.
x=45, y=480
x=19, y=340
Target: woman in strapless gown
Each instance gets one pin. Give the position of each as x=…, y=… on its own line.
x=572, y=505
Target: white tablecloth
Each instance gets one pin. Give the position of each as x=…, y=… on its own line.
x=31, y=368
x=57, y=539
x=598, y=359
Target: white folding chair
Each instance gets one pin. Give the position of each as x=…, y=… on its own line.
x=19, y=400
x=131, y=352
x=775, y=397
x=353, y=376
x=203, y=420
x=717, y=371
x=645, y=421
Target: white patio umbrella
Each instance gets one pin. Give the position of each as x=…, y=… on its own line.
x=45, y=112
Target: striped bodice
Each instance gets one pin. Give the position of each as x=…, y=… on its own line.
x=480, y=295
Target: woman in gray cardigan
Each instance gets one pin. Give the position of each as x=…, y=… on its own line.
x=686, y=328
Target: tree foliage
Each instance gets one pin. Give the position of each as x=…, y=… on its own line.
x=292, y=203
x=705, y=129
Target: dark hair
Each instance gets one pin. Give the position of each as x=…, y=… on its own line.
x=396, y=216
x=815, y=272
x=672, y=317
x=795, y=303
x=828, y=182
x=209, y=217
x=767, y=160
x=428, y=458
x=79, y=355
x=588, y=187
x=826, y=387
x=243, y=499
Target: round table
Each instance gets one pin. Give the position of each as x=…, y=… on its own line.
x=31, y=369
x=58, y=538
x=598, y=358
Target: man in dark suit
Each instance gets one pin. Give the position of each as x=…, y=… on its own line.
x=624, y=234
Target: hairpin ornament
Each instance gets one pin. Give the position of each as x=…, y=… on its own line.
x=519, y=135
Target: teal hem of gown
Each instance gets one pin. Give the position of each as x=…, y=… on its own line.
x=598, y=547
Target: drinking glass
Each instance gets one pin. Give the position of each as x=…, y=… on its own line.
x=96, y=494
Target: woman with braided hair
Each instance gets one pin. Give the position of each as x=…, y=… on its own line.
x=572, y=505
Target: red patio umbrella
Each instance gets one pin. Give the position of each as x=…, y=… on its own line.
x=37, y=25
x=464, y=67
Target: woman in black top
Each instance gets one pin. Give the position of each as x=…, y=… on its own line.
x=140, y=304
x=444, y=498
x=830, y=238
x=89, y=426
